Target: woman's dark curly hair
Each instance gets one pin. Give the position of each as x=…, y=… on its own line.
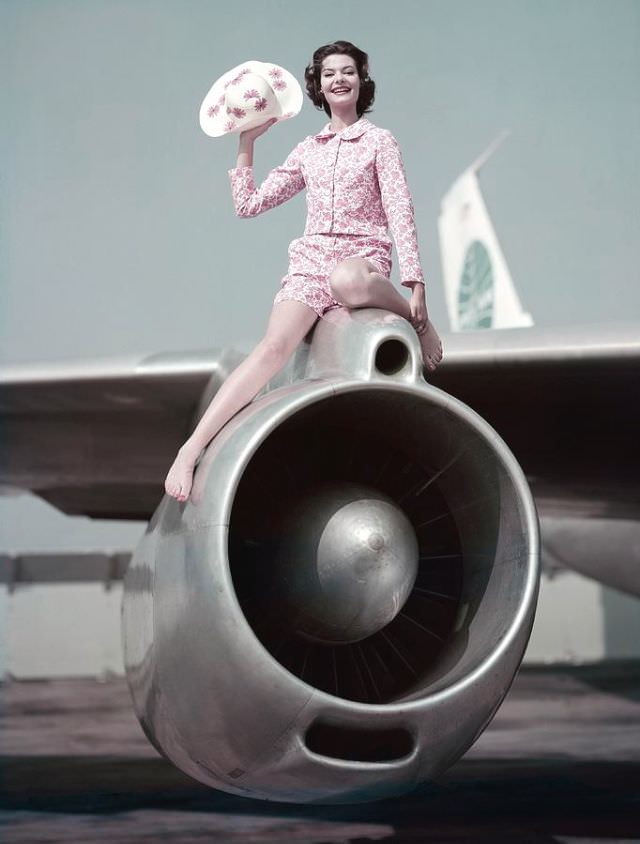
x=312, y=76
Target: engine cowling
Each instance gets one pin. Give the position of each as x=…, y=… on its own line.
x=339, y=609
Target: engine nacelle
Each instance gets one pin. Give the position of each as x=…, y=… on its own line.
x=340, y=607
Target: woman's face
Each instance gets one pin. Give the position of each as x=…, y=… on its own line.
x=339, y=82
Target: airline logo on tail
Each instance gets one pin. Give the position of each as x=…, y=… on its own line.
x=475, y=289
x=478, y=285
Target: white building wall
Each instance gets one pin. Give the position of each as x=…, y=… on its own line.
x=64, y=630
x=579, y=620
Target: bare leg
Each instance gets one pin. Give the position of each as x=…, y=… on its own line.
x=288, y=324
x=356, y=285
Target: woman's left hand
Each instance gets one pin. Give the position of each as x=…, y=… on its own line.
x=418, y=305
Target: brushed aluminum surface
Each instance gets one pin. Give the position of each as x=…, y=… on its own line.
x=222, y=684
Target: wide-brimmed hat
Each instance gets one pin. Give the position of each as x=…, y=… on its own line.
x=248, y=96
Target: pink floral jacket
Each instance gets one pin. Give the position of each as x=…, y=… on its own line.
x=355, y=183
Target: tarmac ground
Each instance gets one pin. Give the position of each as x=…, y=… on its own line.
x=560, y=762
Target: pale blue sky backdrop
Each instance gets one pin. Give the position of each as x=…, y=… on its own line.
x=116, y=222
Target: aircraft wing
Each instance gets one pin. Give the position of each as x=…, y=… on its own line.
x=566, y=401
x=97, y=437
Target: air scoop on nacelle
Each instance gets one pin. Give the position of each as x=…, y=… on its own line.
x=340, y=607
x=365, y=344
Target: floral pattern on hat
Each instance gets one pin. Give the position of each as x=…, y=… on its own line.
x=237, y=78
x=267, y=90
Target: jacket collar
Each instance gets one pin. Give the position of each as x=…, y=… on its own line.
x=354, y=131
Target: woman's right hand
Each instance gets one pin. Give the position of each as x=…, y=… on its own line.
x=249, y=135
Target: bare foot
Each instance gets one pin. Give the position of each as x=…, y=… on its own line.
x=431, y=347
x=180, y=476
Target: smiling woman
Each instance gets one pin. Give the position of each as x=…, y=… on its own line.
x=356, y=191
x=337, y=66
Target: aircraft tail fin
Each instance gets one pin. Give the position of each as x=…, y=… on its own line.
x=479, y=290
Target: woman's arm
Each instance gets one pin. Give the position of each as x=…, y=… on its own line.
x=281, y=184
x=398, y=206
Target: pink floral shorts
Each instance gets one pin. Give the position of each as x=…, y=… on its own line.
x=312, y=259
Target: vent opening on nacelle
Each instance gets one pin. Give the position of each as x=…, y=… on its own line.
x=391, y=356
x=359, y=744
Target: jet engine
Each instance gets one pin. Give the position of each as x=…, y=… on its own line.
x=340, y=607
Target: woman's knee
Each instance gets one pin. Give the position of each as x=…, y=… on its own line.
x=349, y=284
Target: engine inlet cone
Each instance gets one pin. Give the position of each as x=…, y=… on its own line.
x=346, y=565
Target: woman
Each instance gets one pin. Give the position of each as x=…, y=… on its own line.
x=356, y=189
